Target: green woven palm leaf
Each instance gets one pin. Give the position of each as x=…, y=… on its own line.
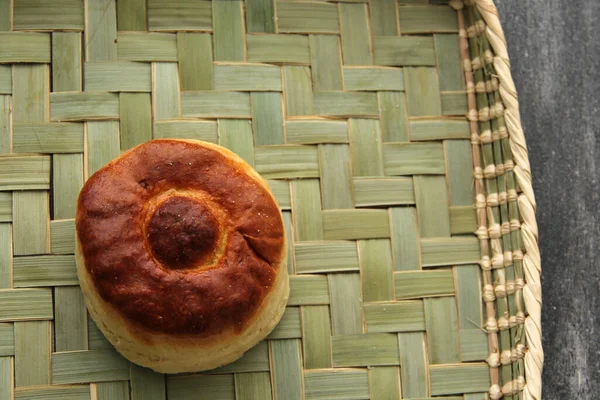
x=384, y=131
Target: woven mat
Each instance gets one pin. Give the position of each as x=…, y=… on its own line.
x=404, y=284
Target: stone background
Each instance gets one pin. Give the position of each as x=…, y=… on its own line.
x=554, y=47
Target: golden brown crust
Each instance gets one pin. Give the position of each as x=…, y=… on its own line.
x=124, y=207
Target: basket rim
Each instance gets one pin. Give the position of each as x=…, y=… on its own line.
x=534, y=357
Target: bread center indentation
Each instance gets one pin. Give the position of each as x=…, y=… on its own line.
x=182, y=232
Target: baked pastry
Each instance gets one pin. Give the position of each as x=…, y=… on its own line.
x=181, y=255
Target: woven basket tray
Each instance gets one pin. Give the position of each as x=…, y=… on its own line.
x=390, y=134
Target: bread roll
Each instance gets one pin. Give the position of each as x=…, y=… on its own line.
x=181, y=255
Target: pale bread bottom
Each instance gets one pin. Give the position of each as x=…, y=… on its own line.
x=174, y=354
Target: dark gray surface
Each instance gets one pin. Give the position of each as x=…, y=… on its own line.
x=554, y=47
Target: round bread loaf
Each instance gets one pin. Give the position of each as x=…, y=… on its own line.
x=181, y=255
